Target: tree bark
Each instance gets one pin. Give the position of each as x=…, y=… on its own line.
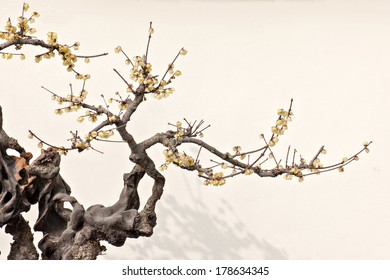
x=23, y=247
x=73, y=233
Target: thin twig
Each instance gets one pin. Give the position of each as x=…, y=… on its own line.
x=128, y=58
x=47, y=144
x=147, y=45
x=110, y=141
x=203, y=129
x=293, y=161
x=169, y=66
x=91, y=56
x=254, y=151
x=316, y=156
x=197, y=156
x=288, y=152
x=71, y=92
x=50, y=91
x=128, y=85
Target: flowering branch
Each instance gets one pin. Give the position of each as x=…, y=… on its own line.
x=76, y=233
x=21, y=34
x=173, y=139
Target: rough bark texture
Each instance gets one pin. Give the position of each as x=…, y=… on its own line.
x=23, y=247
x=68, y=233
x=76, y=232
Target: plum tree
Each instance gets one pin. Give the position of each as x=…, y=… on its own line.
x=76, y=233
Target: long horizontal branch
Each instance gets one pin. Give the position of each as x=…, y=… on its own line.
x=26, y=41
x=41, y=43
x=214, y=151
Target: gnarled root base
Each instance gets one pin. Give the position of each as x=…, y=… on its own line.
x=23, y=247
x=68, y=233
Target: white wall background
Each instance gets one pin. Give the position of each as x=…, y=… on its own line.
x=246, y=59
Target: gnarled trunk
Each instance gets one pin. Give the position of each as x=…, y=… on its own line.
x=67, y=233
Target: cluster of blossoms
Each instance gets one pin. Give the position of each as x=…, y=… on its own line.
x=74, y=103
x=237, y=152
x=21, y=34
x=65, y=52
x=141, y=73
x=280, y=126
x=90, y=115
x=144, y=82
x=22, y=29
x=181, y=159
x=122, y=104
x=180, y=130
x=216, y=180
x=294, y=171
x=101, y=134
x=254, y=163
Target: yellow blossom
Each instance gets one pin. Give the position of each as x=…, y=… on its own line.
x=118, y=49
x=248, y=171
x=237, y=149
x=218, y=175
x=82, y=145
x=112, y=119
x=163, y=167
x=92, y=118
x=123, y=105
x=26, y=7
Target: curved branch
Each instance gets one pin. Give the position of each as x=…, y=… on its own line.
x=26, y=41
x=40, y=43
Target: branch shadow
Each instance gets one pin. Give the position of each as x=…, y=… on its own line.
x=184, y=232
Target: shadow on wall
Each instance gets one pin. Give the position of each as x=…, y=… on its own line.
x=187, y=233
